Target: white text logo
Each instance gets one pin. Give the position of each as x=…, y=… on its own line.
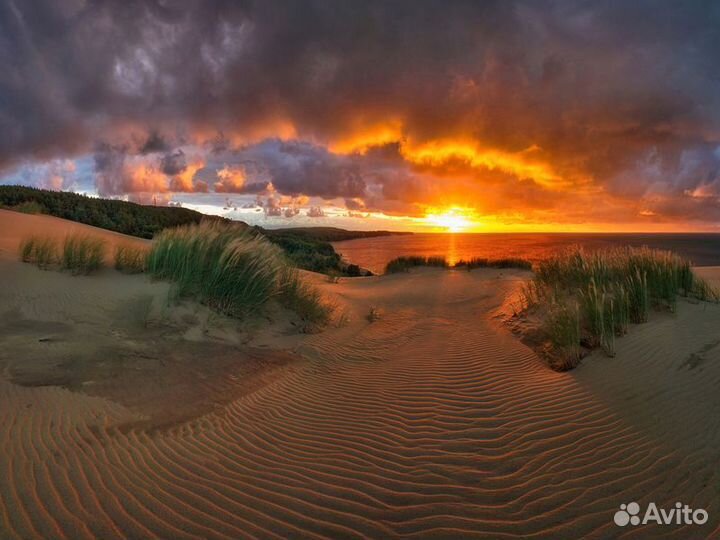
x=629, y=514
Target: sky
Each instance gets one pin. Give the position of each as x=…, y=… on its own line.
x=406, y=115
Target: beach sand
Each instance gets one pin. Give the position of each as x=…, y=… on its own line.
x=126, y=415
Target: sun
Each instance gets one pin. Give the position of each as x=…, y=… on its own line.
x=452, y=220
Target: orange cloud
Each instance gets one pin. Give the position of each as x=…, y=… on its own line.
x=184, y=180
x=145, y=178
x=231, y=180
x=362, y=138
x=439, y=153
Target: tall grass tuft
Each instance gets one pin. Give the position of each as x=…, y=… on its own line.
x=638, y=297
x=245, y=274
x=82, y=254
x=621, y=310
x=593, y=308
x=130, y=259
x=231, y=269
x=613, y=287
x=664, y=274
x=42, y=251
x=563, y=327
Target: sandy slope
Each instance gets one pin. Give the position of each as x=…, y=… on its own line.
x=14, y=226
x=432, y=421
x=710, y=273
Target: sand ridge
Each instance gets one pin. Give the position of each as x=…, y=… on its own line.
x=432, y=421
x=15, y=226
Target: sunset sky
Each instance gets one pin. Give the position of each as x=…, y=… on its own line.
x=415, y=115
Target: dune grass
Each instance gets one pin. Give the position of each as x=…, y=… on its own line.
x=231, y=269
x=563, y=328
x=82, y=254
x=225, y=266
x=403, y=264
x=130, y=259
x=42, y=251
x=228, y=267
x=608, y=289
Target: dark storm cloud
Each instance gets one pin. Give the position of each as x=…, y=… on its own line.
x=293, y=168
x=154, y=143
x=354, y=204
x=624, y=95
x=298, y=168
x=173, y=163
x=110, y=172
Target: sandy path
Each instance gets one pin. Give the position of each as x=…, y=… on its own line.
x=431, y=422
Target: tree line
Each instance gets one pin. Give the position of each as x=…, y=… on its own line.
x=115, y=215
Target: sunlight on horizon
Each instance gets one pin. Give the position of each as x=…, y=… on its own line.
x=453, y=220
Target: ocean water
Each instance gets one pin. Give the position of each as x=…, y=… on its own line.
x=702, y=249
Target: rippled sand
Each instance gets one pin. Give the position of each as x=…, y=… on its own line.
x=432, y=421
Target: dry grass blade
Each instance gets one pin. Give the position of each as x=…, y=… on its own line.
x=82, y=254
x=130, y=259
x=42, y=251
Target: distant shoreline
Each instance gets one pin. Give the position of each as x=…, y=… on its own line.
x=331, y=234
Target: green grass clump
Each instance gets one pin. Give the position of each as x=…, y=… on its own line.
x=82, y=254
x=665, y=275
x=130, y=259
x=638, y=297
x=606, y=313
x=563, y=327
x=230, y=268
x=507, y=262
x=227, y=267
x=612, y=287
x=403, y=264
x=79, y=253
x=42, y=251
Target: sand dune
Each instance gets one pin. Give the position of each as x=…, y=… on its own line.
x=710, y=273
x=14, y=226
x=433, y=421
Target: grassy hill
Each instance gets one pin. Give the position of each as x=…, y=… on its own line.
x=308, y=248
x=114, y=215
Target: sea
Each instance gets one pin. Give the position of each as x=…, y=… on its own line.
x=702, y=249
